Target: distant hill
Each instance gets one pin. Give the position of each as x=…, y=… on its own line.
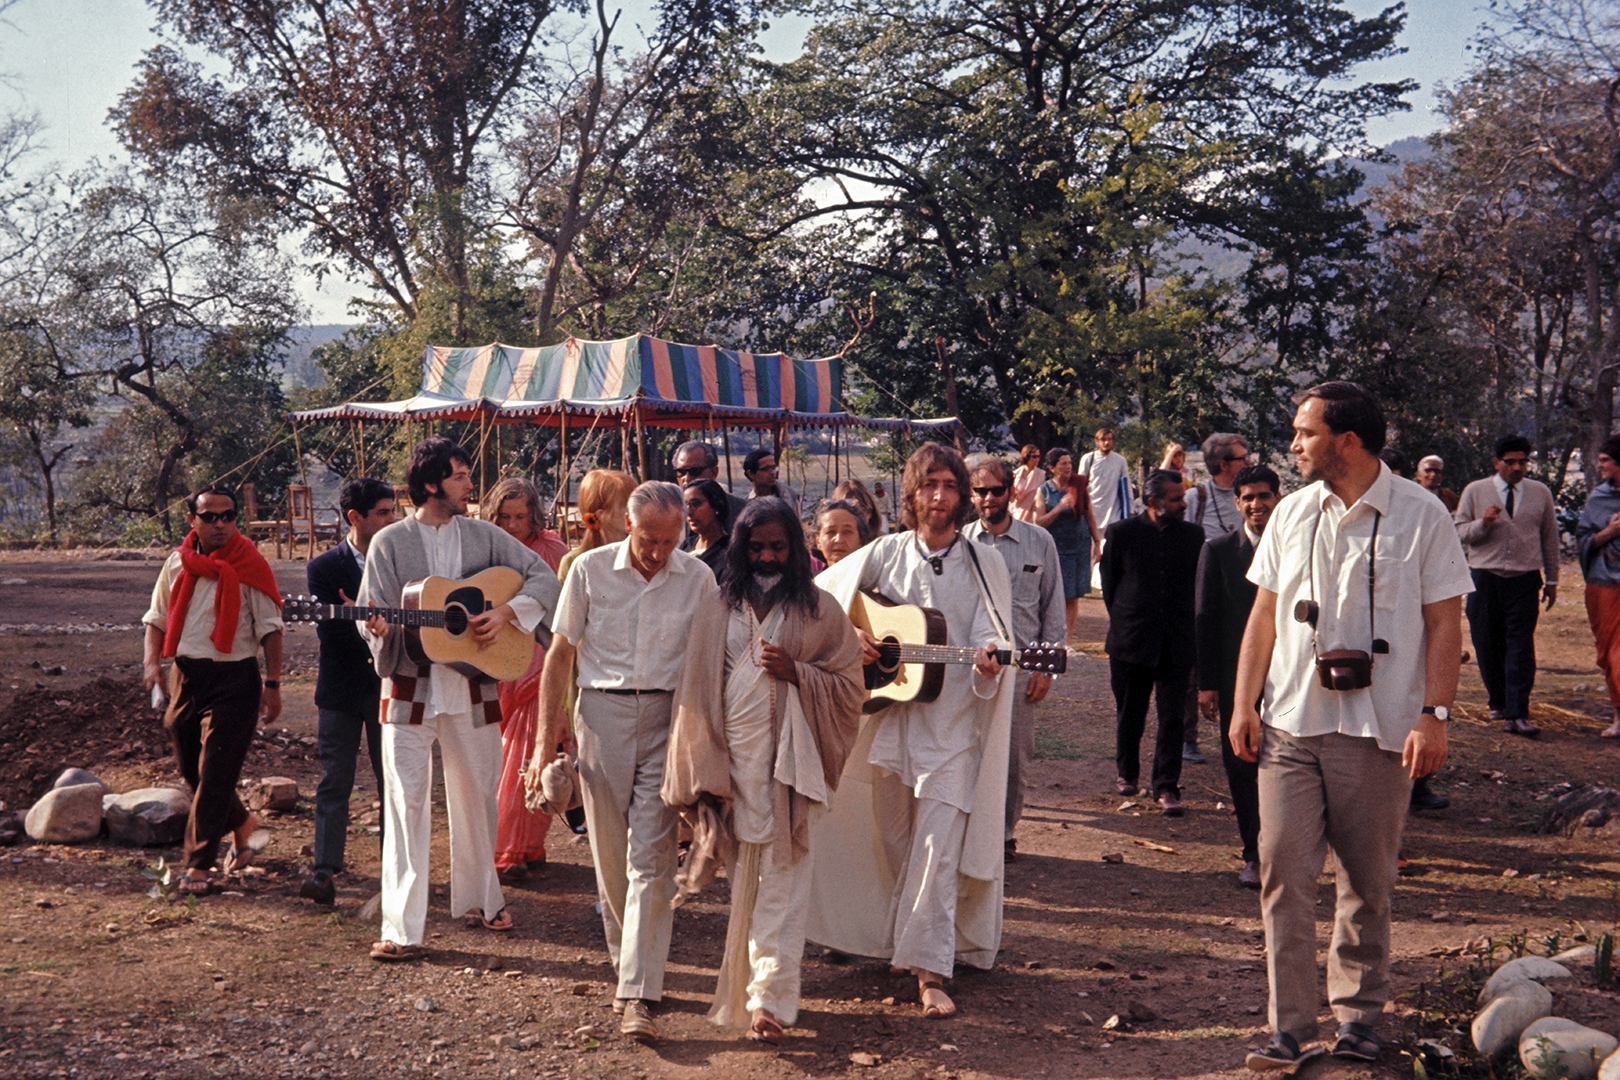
x=299, y=369
x=1414, y=148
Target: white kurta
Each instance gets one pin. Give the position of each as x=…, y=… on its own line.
x=776, y=930
x=1110, y=499
x=948, y=864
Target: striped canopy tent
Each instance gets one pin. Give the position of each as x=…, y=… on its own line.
x=643, y=379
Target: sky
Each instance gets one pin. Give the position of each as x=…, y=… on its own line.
x=67, y=61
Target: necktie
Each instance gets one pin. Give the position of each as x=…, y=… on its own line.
x=1510, y=501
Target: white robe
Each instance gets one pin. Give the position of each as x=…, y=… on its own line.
x=853, y=888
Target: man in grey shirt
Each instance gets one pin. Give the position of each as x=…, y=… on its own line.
x=1212, y=506
x=1509, y=530
x=1037, y=594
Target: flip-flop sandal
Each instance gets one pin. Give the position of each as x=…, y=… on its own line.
x=934, y=1012
x=190, y=886
x=392, y=952
x=766, y=1030
x=501, y=924
x=1357, y=1041
x=239, y=858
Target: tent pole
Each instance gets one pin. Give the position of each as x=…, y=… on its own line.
x=641, y=442
x=560, y=503
x=624, y=443
x=725, y=438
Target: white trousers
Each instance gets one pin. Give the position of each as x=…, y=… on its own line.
x=472, y=766
x=776, y=935
x=622, y=741
x=924, y=836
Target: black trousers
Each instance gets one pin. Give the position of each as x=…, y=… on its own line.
x=213, y=711
x=339, y=734
x=1166, y=682
x=1243, y=778
x=1502, y=613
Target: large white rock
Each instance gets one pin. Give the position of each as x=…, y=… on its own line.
x=75, y=777
x=147, y=816
x=1581, y=954
x=1500, y=1023
x=1610, y=1069
x=66, y=815
x=1554, y=1048
x=1524, y=969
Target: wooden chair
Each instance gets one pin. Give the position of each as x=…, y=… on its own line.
x=252, y=525
x=300, y=519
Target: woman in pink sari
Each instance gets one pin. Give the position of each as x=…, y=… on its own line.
x=520, y=834
x=1027, y=481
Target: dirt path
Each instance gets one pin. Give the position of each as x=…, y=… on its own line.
x=97, y=980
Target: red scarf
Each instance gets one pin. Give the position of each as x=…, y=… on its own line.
x=233, y=565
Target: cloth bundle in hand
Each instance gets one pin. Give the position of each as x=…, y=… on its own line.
x=559, y=790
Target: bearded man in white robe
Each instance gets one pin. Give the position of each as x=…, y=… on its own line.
x=912, y=870
x=765, y=712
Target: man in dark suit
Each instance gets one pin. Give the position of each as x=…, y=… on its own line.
x=1149, y=572
x=346, y=691
x=1225, y=595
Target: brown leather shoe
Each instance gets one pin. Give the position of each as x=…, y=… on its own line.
x=1521, y=726
x=1249, y=876
x=1171, y=805
x=1125, y=787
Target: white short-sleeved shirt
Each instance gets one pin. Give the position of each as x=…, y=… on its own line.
x=259, y=619
x=630, y=633
x=1420, y=561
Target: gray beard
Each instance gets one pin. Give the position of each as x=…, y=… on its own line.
x=764, y=590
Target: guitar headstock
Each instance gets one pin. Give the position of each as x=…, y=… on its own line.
x=1051, y=657
x=302, y=609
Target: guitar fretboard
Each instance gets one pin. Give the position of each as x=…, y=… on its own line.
x=936, y=654
x=397, y=616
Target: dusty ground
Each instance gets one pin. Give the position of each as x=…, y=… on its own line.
x=98, y=980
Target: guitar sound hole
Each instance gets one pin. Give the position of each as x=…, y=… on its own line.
x=455, y=620
x=888, y=660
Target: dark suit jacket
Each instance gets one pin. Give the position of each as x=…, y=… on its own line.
x=1149, y=576
x=348, y=680
x=1225, y=595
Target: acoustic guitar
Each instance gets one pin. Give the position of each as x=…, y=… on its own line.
x=435, y=612
x=913, y=651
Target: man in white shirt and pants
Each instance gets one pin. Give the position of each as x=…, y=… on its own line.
x=1372, y=563
x=625, y=613
x=1108, y=474
x=428, y=703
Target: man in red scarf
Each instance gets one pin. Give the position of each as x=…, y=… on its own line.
x=214, y=605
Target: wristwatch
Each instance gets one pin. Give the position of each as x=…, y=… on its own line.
x=275, y=684
x=1439, y=712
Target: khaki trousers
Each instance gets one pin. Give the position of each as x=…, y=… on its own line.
x=622, y=742
x=1328, y=793
x=1021, y=755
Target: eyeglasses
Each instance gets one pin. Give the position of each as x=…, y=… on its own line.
x=209, y=517
x=1515, y=461
x=687, y=472
x=995, y=492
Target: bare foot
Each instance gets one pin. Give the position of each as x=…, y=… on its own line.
x=936, y=1004
x=1612, y=731
x=246, y=829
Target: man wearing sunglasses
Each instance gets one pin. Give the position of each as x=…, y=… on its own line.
x=1032, y=562
x=694, y=460
x=214, y=606
x=760, y=468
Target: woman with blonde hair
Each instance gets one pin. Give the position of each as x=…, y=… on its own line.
x=1175, y=460
x=520, y=835
x=1027, y=481
x=604, y=505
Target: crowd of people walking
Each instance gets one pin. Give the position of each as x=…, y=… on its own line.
x=704, y=658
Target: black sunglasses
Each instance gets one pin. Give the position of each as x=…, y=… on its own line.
x=687, y=472
x=998, y=491
x=209, y=517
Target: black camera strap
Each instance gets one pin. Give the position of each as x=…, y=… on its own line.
x=1372, y=583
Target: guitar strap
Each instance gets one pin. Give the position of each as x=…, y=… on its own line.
x=984, y=593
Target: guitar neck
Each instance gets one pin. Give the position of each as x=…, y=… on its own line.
x=396, y=616
x=940, y=654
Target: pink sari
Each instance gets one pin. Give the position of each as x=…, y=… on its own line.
x=1026, y=485
x=520, y=836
